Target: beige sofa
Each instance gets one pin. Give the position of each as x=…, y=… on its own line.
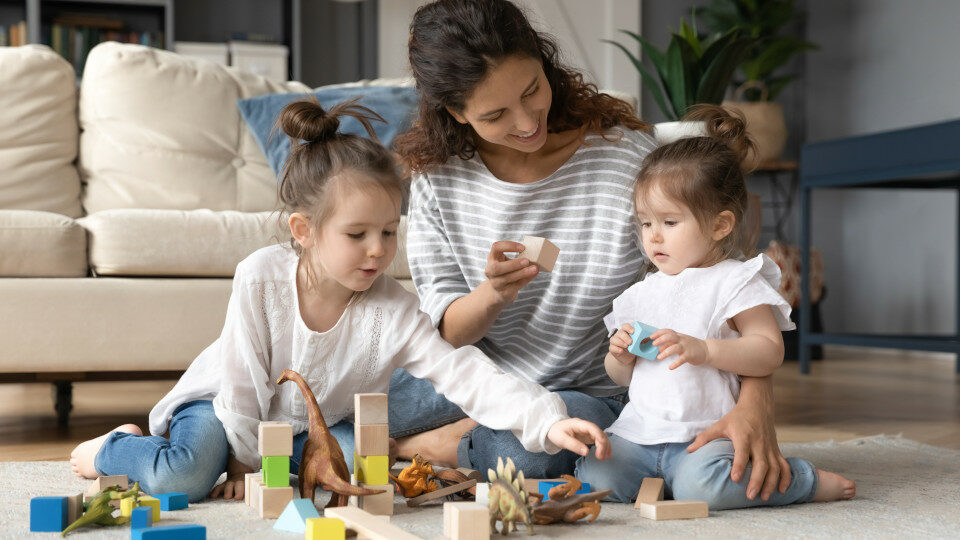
x=124, y=209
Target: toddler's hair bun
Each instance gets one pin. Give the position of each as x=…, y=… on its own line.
x=307, y=121
x=729, y=127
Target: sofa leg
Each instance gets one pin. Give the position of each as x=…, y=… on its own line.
x=62, y=401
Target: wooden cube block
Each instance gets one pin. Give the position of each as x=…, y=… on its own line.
x=127, y=505
x=257, y=486
x=378, y=505
x=651, y=490
x=371, y=469
x=275, y=439
x=276, y=471
x=466, y=521
x=370, y=409
x=325, y=528
x=372, y=439
x=273, y=500
x=48, y=514
x=540, y=251
x=483, y=493
x=74, y=507
x=664, y=510
x=106, y=481
x=249, y=484
x=141, y=517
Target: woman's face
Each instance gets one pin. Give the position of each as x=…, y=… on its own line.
x=509, y=107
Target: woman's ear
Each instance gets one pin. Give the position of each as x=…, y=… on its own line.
x=456, y=115
x=301, y=230
x=723, y=225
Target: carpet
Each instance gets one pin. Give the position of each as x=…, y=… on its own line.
x=904, y=489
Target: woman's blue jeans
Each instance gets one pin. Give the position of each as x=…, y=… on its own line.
x=415, y=407
x=194, y=456
x=703, y=475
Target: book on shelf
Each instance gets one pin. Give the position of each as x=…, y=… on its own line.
x=74, y=41
x=13, y=36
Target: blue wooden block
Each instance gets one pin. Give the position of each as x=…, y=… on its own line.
x=48, y=514
x=641, y=345
x=141, y=517
x=173, y=501
x=295, y=515
x=544, y=487
x=170, y=532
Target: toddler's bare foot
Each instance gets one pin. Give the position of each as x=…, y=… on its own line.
x=833, y=487
x=438, y=446
x=81, y=459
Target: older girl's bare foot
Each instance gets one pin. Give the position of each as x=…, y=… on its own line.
x=833, y=487
x=438, y=446
x=81, y=459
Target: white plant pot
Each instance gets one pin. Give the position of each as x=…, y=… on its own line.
x=668, y=132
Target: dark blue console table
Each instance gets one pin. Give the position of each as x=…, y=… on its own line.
x=925, y=157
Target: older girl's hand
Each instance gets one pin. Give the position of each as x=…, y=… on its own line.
x=506, y=276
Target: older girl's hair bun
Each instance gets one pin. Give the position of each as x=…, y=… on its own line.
x=728, y=127
x=306, y=120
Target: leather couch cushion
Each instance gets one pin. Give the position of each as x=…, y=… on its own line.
x=162, y=130
x=38, y=131
x=41, y=244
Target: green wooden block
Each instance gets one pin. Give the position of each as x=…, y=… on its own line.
x=371, y=470
x=276, y=471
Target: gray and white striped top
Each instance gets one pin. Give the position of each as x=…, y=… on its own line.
x=553, y=333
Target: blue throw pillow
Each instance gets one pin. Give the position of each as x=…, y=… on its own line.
x=396, y=104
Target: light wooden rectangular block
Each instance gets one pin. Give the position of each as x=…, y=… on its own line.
x=540, y=251
x=532, y=485
x=249, y=484
x=378, y=505
x=651, y=490
x=368, y=525
x=664, y=510
x=275, y=439
x=483, y=493
x=256, y=486
x=370, y=409
x=74, y=507
x=106, y=481
x=273, y=500
x=372, y=439
x=466, y=521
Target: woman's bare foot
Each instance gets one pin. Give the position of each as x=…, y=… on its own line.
x=81, y=459
x=833, y=487
x=438, y=446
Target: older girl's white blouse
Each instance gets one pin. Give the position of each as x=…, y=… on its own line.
x=675, y=406
x=383, y=330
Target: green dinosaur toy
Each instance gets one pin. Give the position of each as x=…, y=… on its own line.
x=99, y=512
x=509, y=502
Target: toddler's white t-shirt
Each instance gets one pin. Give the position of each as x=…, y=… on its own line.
x=675, y=406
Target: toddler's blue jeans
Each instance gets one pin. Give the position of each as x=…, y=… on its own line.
x=703, y=475
x=194, y=456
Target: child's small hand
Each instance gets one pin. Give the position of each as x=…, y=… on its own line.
x=619, y=343
x=233, y=487
x=574, y=434
x=689, y=350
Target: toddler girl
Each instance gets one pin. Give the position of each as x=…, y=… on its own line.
x=321, y=307
x=717, y=317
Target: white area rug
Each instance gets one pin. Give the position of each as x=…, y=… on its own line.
x=904, y=490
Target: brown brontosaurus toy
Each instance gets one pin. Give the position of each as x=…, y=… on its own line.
x=322, y=461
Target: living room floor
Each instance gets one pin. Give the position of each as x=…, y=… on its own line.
x=853, y=393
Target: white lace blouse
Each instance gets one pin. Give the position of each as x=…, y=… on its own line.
x=381, y=331
x=675, y=406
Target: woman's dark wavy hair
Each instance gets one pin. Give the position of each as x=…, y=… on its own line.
x=453, y=45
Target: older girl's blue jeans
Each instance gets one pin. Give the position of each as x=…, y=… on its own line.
x=193, y=458
x=703, y=475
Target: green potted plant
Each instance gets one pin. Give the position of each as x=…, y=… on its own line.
x=760, y=78
x=690, y=71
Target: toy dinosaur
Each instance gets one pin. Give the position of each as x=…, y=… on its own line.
x=509, y=502
x=416, y=479
x=563, y=505
x=99, y=512
x=322, y=462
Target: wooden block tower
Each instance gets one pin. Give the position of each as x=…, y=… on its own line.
x=371, y=459
x=273, y=490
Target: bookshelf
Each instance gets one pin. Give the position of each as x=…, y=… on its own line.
x=13, y=17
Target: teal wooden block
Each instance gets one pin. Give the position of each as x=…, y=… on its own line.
x=141, y=517
x=48, y=514
x=170, y=532
x=276, y=471
x=173, y=501
x=642, y=345
x=295, y=515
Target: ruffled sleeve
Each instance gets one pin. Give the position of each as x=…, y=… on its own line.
x=753, y=283
x=624, y=309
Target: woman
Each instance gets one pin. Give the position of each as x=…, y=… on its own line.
x=509, y=142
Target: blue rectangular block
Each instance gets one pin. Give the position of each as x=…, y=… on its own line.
x=48, y=514
x=173, y=501
x=544, y=487
x=170, y=532
x=141, y=517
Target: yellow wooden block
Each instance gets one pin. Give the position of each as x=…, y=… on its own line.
x=325, y=529
x=127, y=505
x=371, y=469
